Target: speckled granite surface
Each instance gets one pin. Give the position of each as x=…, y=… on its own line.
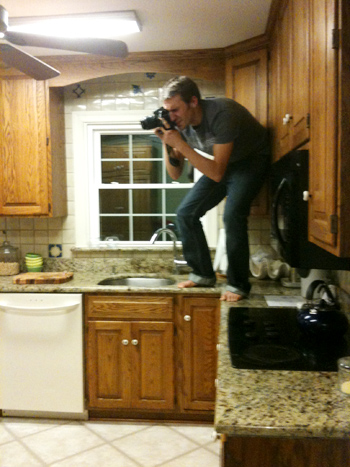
x=87, y=282
x=277, y=403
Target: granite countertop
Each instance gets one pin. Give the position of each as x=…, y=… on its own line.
x=87, y=282
x=277, y=403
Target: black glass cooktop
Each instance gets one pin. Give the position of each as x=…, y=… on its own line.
x=269, y=338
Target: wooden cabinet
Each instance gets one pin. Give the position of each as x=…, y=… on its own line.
x=200, y=322
x=329, y=206
x=244, y=451
x=309, y=73
x=28, y=156
x=152, y=356
x=246, y=83
x=289, y=115
x=130, y=361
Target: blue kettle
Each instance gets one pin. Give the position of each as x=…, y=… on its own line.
x=322, y=317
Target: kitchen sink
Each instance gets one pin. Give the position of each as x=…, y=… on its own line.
x=138, y=281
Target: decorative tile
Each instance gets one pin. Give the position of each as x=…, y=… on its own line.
x=55, y=250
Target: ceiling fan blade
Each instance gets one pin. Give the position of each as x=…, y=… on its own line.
x=107, y=47
x=26, y=63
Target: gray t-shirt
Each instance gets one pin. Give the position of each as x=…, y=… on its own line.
x=224, y=121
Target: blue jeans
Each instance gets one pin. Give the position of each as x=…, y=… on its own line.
x=241, y=184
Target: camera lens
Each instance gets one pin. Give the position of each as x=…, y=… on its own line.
x=149, y=123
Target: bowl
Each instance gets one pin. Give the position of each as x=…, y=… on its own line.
x=34, y=269
x=33, y=255
x=34, y=262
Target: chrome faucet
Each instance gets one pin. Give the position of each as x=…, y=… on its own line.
x=177, y=261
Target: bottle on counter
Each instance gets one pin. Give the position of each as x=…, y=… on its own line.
x=9, y=263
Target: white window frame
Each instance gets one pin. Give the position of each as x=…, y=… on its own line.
x=85, y=126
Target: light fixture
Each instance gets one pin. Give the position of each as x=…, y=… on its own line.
x=108, y=25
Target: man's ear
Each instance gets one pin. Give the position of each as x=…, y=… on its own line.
x=194, y=101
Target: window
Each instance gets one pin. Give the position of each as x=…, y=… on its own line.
x=122, y=189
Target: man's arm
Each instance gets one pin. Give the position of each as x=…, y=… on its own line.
x=174, y=162
x=212, y=168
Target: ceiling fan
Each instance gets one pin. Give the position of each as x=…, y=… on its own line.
x=39, y=70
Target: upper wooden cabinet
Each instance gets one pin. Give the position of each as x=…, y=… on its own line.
x=309, y=101
x=289, y=85
x=246, y=83
x=28, y=156
x=329, y=187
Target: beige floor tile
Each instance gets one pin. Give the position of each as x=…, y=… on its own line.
x=114, y=430
x=21, y=427
x=102, y=456
x=5, y=436
x=198, y=458
x=155, y=445
x=198, y=434
x=62, y=441
x=15, y=455
x=214, y=447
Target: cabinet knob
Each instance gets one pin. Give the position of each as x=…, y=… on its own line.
x=125, y=342
x=187, y=318
x=286, y=119
x=134, y=342
x=306, y=196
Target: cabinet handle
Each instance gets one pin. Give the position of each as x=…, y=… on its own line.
x=187, y=318
x=286, y=119
x=134, y=342
x=125, y=342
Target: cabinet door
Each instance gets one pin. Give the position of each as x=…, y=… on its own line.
x=290, y=78
x=300, y=91
x=25, y=158
x=152, y=365
x=200, y=319
x=246, y=83
x=108, y=364
x=323, y=144
x=284, y=129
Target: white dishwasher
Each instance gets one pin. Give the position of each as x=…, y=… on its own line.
x=41, y=355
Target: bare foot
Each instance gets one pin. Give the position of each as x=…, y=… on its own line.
x=231, y=297
x=187, y=284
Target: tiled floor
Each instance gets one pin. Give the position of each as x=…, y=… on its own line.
x=32, y=443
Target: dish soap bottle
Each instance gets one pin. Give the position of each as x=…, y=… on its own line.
x=9, y=263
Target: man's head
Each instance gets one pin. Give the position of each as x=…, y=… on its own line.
x=182, y=99
x=182, y=86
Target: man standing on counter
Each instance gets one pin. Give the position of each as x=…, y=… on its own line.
x=240, y=152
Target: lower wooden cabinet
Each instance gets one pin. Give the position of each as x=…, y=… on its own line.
x=200, y=317
x=151, y=355
x=244, y=451
x=131, y=364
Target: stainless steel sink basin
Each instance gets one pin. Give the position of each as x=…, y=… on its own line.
x=138, y=281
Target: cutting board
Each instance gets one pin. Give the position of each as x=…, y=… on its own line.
x=43, y=278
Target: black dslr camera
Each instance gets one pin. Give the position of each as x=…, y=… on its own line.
x=155, y=121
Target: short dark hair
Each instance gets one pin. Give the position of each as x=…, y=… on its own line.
x=182, y=86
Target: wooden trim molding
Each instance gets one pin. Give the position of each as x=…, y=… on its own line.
x=250, y=45
x=204, y=64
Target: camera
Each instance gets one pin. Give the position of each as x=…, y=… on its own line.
x=149, y=123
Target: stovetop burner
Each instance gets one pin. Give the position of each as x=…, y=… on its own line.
x=269, y=338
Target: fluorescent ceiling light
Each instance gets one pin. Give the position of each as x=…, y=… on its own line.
x=108, y=25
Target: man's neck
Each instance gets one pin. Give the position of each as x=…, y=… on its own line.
x=197, y=116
